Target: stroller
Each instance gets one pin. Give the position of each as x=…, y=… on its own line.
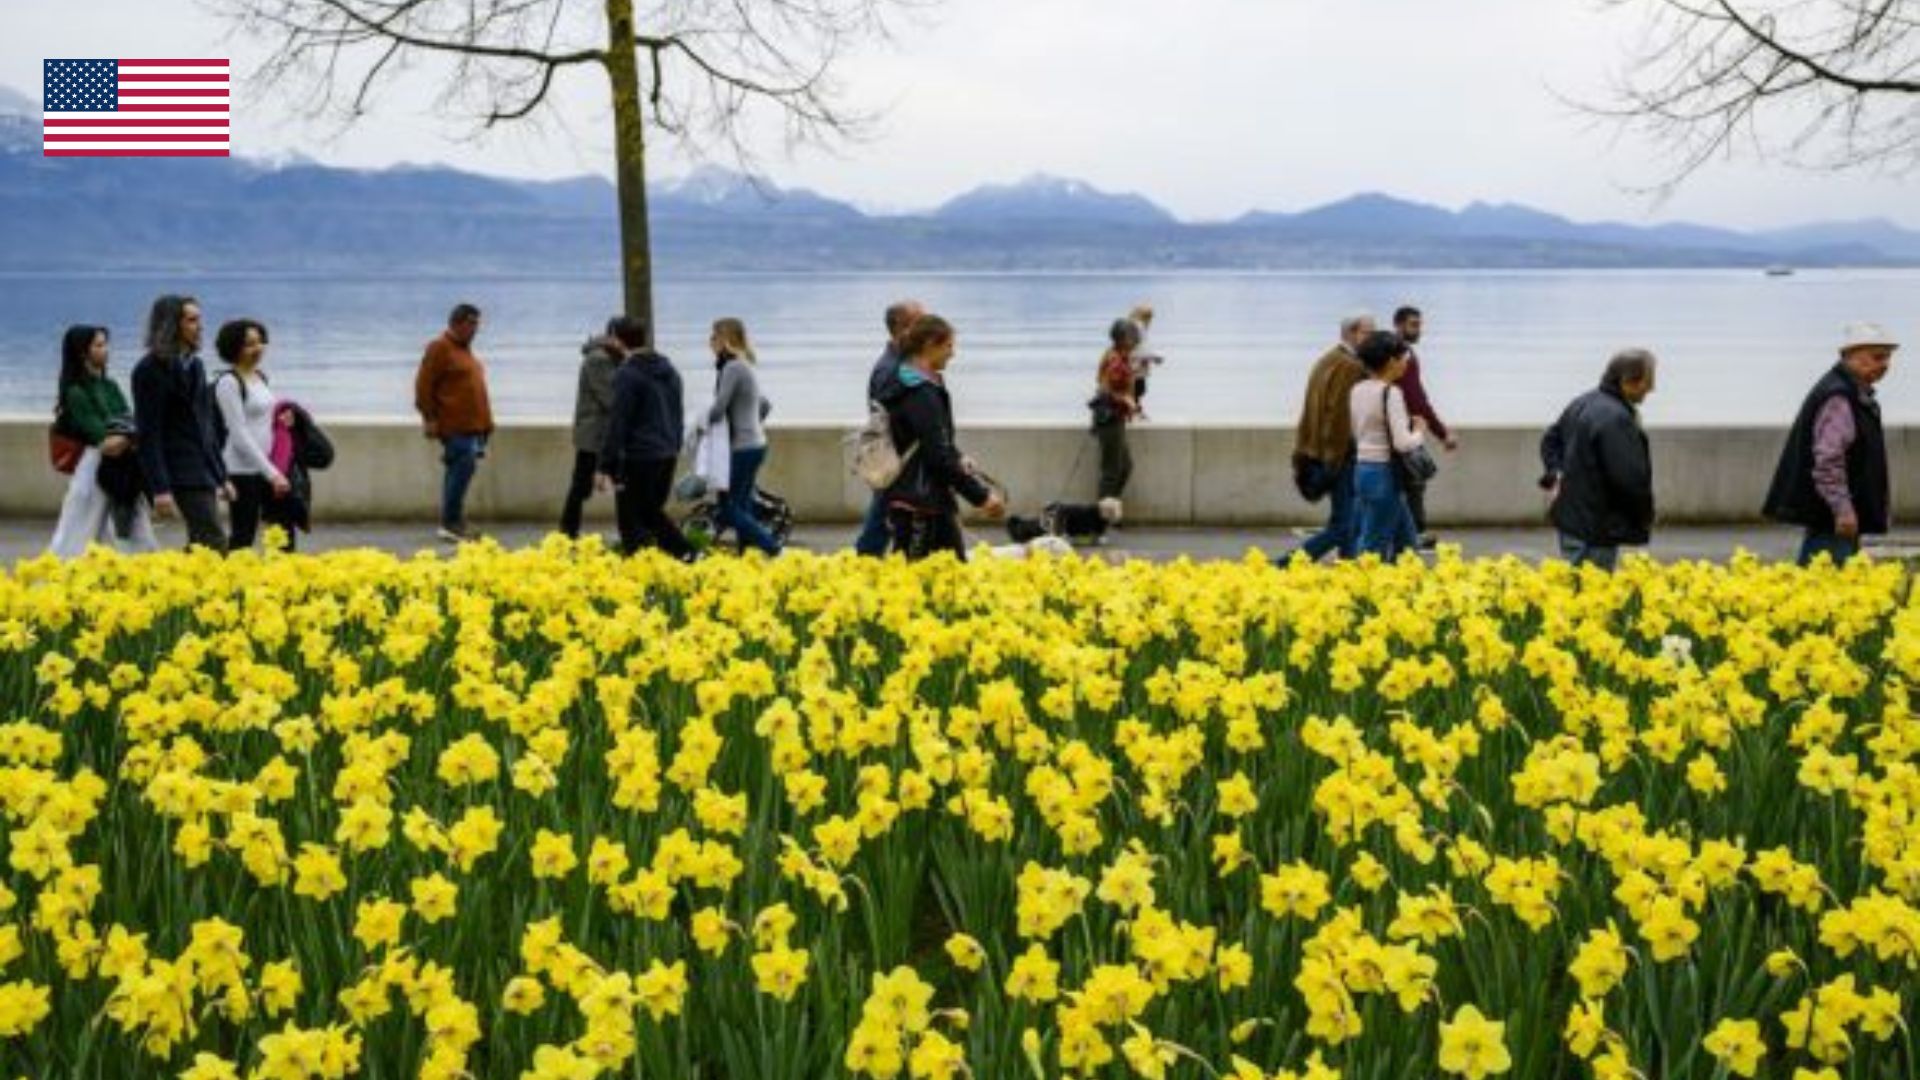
x=701, y=522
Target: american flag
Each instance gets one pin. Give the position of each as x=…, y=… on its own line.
x=136, y=108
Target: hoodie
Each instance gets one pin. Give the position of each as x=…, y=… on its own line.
x=922, y=415
x=593, y=403
x=647, y=421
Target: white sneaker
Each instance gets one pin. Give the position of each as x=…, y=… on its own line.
x=449, y=536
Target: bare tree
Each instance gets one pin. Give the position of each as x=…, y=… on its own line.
x=697, y=70
x=1827, y=83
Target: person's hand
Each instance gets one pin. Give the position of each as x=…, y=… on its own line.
x=285, y=419
x=1450, y=443
x=995, y=507
x=281, y=487
x=971, y=467
x=226, y=491
x=1847, y=526
x=163, y=506
x=431, y=430
x=114, y=445
x=1420, y=424
x=602, y=483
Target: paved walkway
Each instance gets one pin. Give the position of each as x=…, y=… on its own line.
x=24, y=538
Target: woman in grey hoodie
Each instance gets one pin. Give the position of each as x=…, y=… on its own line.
x=737, y=400
x=592, y=403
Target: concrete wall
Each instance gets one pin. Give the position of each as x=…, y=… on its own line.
x=1193, y=475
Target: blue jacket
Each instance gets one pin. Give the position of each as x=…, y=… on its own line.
x=173, y=408
x=647, y=421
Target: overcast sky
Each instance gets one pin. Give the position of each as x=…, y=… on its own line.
x=1210, y=107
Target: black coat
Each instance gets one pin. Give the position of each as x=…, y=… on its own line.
x=1792, y=498
x=312, y=452
x=1598, y=453
x=173, y=406
x=921, y=414
x=647, y=422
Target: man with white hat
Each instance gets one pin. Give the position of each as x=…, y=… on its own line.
x=1832, y=479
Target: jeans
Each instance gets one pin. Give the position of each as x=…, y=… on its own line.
x=736, y=509
x=1341, y=533
x=874, y=533
x=1580, y=553
x=200, y=509
x=641, y=504
x=1385, y=525
x=462, y=456
x=919, y=535
x=1833, y=545
x=1116, y=459
x=579, y=490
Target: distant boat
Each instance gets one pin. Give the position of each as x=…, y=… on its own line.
x=1779, y=271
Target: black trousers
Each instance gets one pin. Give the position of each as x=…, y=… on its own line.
x=253, y=506
x=641, y=504
x=919, y=535
x=1116, y=459
x=200, y=509
x=1416, y=493
x=579, y=490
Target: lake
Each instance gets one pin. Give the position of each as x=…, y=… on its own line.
x=1507, y=347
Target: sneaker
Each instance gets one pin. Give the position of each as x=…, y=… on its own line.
x=1427, y=542
x=449, y=534
x=459, y=534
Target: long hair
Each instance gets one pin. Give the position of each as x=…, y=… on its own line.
x=733, y=338
x=74, y=348
x=163, y=325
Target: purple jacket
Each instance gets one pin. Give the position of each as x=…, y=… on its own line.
x=1418, y=404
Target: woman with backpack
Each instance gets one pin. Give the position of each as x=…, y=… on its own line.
x=1114, y=407
x=922, y=512
x=245, y=404
x=103, y=505
x=739, y=405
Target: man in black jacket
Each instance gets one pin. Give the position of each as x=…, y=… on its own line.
x=643, y=444
x=1832, y=479
x=922, y=511
x=173, y=409
x=1598, y=471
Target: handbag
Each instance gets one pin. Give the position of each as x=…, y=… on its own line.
x=1103, y=410
x=63, y=450
x=1313, y=477
x=1415, y=467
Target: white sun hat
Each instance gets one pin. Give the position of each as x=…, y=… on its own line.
x=1863, y=335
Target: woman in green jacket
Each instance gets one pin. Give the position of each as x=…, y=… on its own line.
x=91, y=408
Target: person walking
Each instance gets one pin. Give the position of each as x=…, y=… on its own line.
x=874, y=536
x=1323, y=438
x=922, y=512
x=600, y=357
x=173, y=412
x=739, y=404
x=1832, y=479
x=246, y=408
x=1114, y=407
x=1409, y=323
x=1599, y=473
x=1382, y=429
x=643, y=444
x=450, y=393
x=91, y=409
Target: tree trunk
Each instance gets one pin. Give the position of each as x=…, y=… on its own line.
x=630, y=163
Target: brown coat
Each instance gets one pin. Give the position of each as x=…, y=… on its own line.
x=450, y=391
x=1325, y=431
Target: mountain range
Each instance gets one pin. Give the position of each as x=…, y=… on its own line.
x=255, y=214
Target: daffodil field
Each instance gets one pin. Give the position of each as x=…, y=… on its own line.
x=550, y=813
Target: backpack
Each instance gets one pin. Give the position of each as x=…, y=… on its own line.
x=872, y=456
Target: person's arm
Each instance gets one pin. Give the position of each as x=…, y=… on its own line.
x=82, y=416
x=1833, y=435
x=1399, y=425
x=725, y=391
x=1419, y=404
x=426, y=381
x=150, y=418
x=233, y=410
x=943, y=458
x=1627, y=468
